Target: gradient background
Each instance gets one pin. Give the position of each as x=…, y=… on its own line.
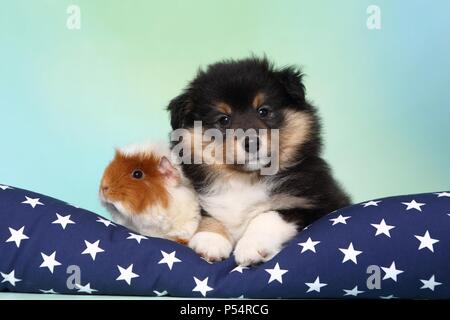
x=67, y=98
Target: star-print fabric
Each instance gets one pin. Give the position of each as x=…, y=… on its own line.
x=397, y=247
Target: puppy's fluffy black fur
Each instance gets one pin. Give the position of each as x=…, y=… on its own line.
x=236, y=83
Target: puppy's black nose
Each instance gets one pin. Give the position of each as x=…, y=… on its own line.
x=251, y=144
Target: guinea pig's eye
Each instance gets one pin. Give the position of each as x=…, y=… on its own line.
x=224, y=121
x=263, y=111
x=137, y=174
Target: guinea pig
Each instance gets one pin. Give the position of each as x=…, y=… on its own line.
x=144, y=191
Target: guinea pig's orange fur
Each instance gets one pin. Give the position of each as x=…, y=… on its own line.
x=137, y=195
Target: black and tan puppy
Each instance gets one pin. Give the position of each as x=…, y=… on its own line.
x=260, y=212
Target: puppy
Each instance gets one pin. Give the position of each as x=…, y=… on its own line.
x=259, y=212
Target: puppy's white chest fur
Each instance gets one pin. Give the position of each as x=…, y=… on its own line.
x=232, y=202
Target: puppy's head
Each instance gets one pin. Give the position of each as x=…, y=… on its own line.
x=250, y=96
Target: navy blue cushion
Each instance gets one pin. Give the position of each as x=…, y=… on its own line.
x=397, y=247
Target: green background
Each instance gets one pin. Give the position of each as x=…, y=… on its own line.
x=68, y=97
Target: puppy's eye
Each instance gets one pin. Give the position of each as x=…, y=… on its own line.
x=263, y=112
x=137, y=174
x=224, y=121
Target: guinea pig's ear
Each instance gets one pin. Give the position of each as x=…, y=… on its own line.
x=169, y=172
x=291, y=79
x=179, y=108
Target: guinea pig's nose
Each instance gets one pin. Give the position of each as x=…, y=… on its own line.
x=105, y=189
x=251, y=144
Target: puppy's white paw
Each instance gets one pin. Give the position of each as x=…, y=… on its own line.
x=263, y=239
x=211, y=246
x=251, y=251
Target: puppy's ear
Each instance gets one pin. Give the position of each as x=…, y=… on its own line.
x=291, y=79
x=179, y=108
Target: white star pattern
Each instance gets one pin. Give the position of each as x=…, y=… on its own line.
x=105, y=222
x=276, y=273
x=340, y=219
x=202, y=286
x=239, y=269
x=371, y=203
x=49, y=261
x=391, y=272
x=10, y=277
x=430, y=283
x=136, y=237
x=126, y=274
x=85, y=289
x=17, y=236
x=315, y=286
x=353, y=292
x=63, y=221
x=309, y=245
x=443, y=194
x=169, y=259
x=92, y=248
x=160, y=294
x=350, y=254
x=382, y=228
x=426, y=241
x=33, y=202
x=411, y=239
x=414, y=205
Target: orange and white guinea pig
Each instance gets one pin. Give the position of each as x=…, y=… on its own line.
x=144, y=191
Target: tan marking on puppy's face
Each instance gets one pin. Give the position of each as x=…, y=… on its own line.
x=293, y=134
x=223, y=107
x=259, y=100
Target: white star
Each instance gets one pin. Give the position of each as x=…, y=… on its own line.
x=92, y=248
x=276, y=273
x=391, y=272
x=309, y=245
x=371, y=203
x=86, y=289
x=426, y=241
x=49, y=261
x=353, y=292
x=382, y=228
x=340, y=219
x=32, y=202
x=413, y=205
x=136, y=237
x=105, y=222
x=439, y=194
x=63, y=221
x=315, y=286
x=160, y=294
x=202, y=286
x=239, y=269
x=169, y=259
x=391, y=296
x=127, y=274
x=51, y=291
x=10, y=277
x=350, y=253
x=430, y=284
x=3, y=187
x=17, y=236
